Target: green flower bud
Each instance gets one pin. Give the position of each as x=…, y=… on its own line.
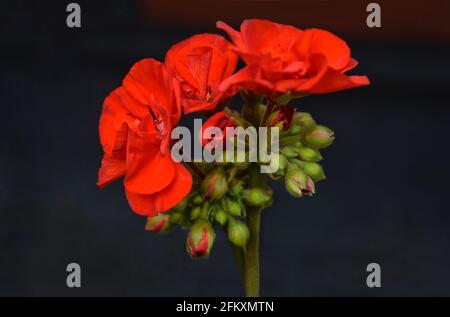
x=283, y=162
x=314, y=170
x=298, y=183
x=320, y=137
x=159, y=223
x=308, y=154
x=195, y=213
x=233, y=208
x=177, y=218
x=237, y=232
x=205, y=210
x=256, y=197
x=298, y=144
x=220, y=216
x=236, y=189
x=295, y=129
x=200, y=239
x=305, y=120
x=289, y=152
x=215, y=185
x=198, y=199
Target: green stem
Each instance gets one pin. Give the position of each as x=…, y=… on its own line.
x=251, y=255
x=251, y=272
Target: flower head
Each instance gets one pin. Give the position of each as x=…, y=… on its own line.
x=135, y=128
x=281, y=59
x=201, y=63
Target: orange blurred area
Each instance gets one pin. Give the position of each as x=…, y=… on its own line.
x=422, y=21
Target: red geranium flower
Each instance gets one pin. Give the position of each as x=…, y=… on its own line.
x=135, y=127
x=281, y=58
x=201, y=63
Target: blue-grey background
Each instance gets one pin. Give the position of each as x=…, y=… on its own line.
x=386, y=198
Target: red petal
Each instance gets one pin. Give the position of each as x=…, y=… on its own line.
x=113, y=167
x=151, y=205
x=114, y=115
x=150, y=84
x=200, y=63
x=334, y=80
x=250, y=78
x=148, y=170
x=323, y=42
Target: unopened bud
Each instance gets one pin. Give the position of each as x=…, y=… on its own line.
x=233, y=208
x=159, y=223
x=177, y=218
x=320, y=137
x=282, y=164
x=314, y=170
x=215, y=185
x=305, y=120
x=256, y=197
x=289, y=152
x=237, y=232
x=198, y=199
x=298, y=144
x=298, y=183
x=308, y=154
x=281, y=117
x=295, y=129
x=205, y=210
x=195, y=213
x=220, y=216
x=200, y=239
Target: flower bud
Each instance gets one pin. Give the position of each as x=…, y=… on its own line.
x=236, y=189
x=195, y=213
x=233, y=208
x=298, y=183
x=177, y=218
x=220, y=216
x=305, y=120
x=308, y=154
x=289, y=152
x=314, y=170
x=282, y=164
x=205, y=210
x=198, y=199
x=295, y=129
x=159, y=223
x=215, y=185
x=320, y=137
x=256, y=197
x=281, y=117
x=200, y=239
x=237, y=232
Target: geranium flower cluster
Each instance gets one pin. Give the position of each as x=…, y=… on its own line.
x=199, y=75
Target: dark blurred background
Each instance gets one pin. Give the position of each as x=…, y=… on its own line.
x=386, y=199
